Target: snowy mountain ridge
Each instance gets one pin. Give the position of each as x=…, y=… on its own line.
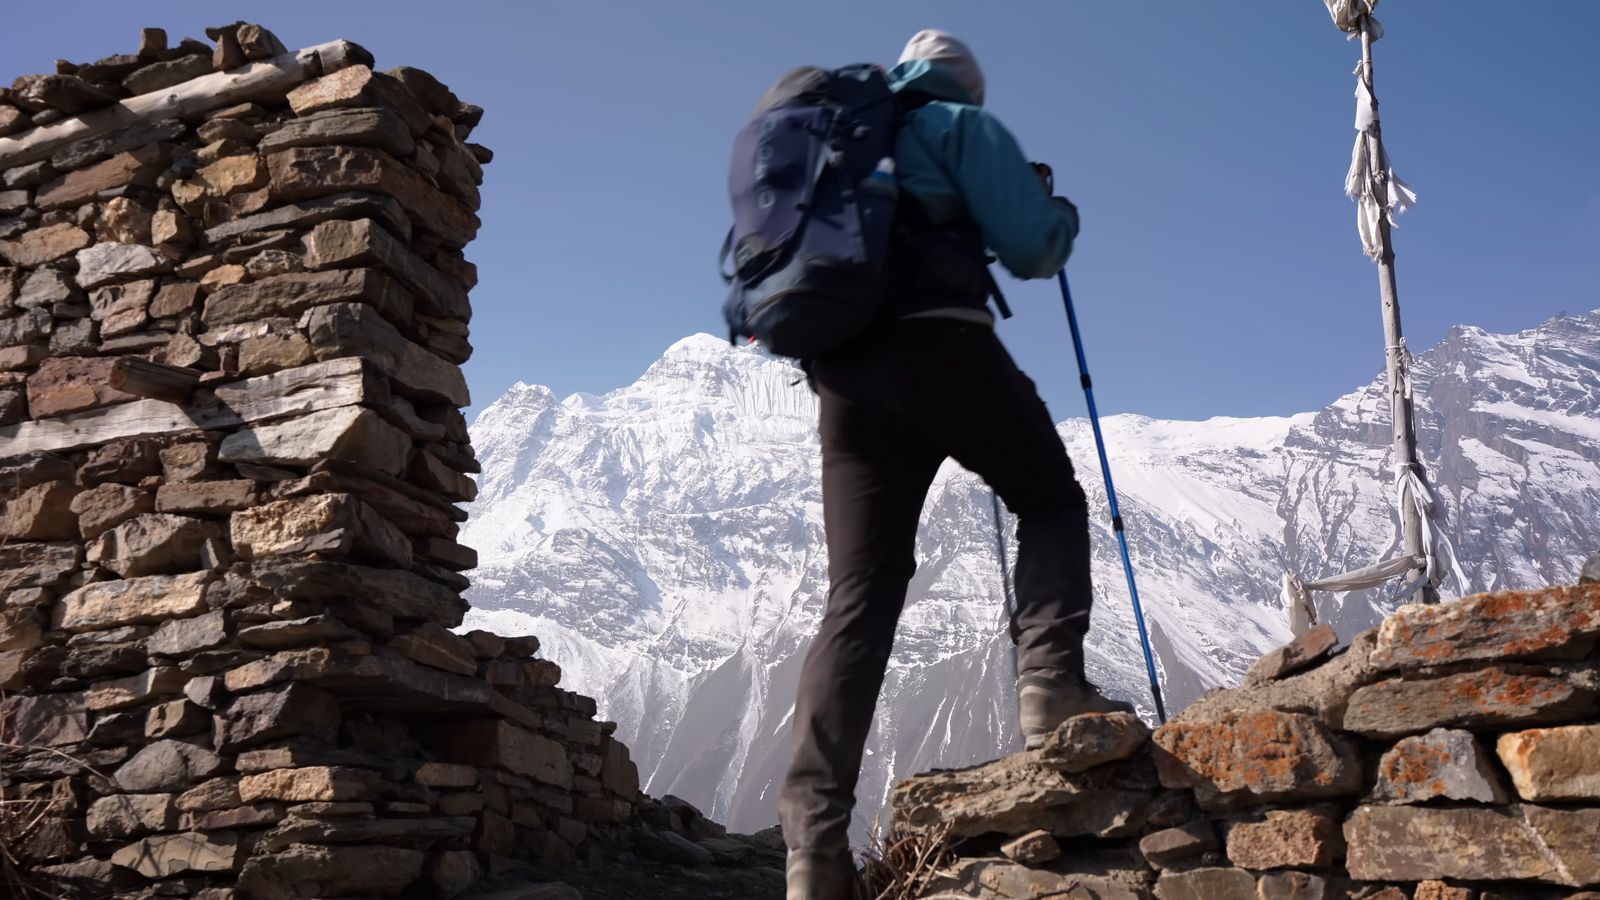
x=664, y=541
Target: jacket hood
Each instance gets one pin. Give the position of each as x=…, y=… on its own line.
x=930, y=78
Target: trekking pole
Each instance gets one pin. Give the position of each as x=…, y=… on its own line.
x=1111, y=495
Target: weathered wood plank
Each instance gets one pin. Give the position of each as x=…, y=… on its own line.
x=268, y=78
x=325, y=385
x=157, y=381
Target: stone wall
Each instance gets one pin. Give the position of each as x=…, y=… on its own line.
x=1451, y=754
x=233, y=303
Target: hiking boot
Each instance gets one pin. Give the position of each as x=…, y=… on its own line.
x=1048, y=697
x=820, y=875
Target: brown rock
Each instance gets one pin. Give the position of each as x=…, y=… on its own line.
x=364, y=242
x=446, y=775
x=47, y=288
x=140, y=167
x=1568, y=837
x=1550, y=623
x=351, y=86
x=185, y=637
x=1299, y=653
x=38, y=564
x=1018, y=794
x=1294, y=886
x=43, y=720
x=1322, y=691
x=233, y=174
x=12, y=120
x=1485, y=698
x=292, y=294
x=1520, y=843
x=1438, y=890
x=32, y=325
x=45, y=245
x=167, y=766
x=218, y=793
x=175, y=299
x=1033, y=848
x=171, y=226
x=166, y=855
x=451, y=872
x=1170, y=845
x=102, y=508
x=373, y=127
x=124, y=221
x=327, y=524
x=21, y=628
x=1083, y=742
x=1207, y=884
x=104, y=263
x=435, y=474
x=126, y=462
x=434, y=646
x=188, y=461
x=499, y=743
x=334, y=870
x=1554, y=763
x=40, y=513
x=134, y=601
x=253, y=816
x=350, y=433
x=206, y=497
x=303, y=172
x=161, y=75
x=131, y=815
x=121, y=308
x=310, y=784
x=70, y=383
x=309, y=631
x=223, y=276
x=26, y=356
x=288, y=711
x=1441, y=764
x=350, y=329
x=1256, y=757
x=306, y=213
x=274, y=352
x=1283, y=838
x=160, y=681
x=68, y=93
x=177, y=718
x=135, y=136
x=153, y=544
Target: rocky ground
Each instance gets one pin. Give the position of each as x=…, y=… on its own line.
x=1453, y=753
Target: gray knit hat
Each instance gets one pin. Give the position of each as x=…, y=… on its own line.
x=951, y=54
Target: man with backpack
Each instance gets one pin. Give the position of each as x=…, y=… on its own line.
x=921, y=379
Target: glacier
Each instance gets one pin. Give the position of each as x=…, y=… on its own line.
x=664, y=541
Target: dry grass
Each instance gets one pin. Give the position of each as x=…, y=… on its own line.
x=20, y=820
x=900, y=865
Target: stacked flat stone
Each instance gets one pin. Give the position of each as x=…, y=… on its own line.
x=233, y=303
x=1453, y=753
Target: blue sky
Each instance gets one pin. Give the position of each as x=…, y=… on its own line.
x=1219, y=270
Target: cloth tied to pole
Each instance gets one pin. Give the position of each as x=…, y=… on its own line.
x=1437, y=563
x=1347, y=15
x=1371, y=180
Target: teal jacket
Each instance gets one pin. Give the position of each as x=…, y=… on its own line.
x=958, y=160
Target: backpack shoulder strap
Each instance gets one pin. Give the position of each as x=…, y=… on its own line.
x=907, y=102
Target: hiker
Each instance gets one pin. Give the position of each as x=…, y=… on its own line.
x=931, y=381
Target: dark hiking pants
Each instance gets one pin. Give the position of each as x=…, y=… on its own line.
x=891, y=414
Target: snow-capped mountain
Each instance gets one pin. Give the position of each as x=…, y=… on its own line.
x=665, y=543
